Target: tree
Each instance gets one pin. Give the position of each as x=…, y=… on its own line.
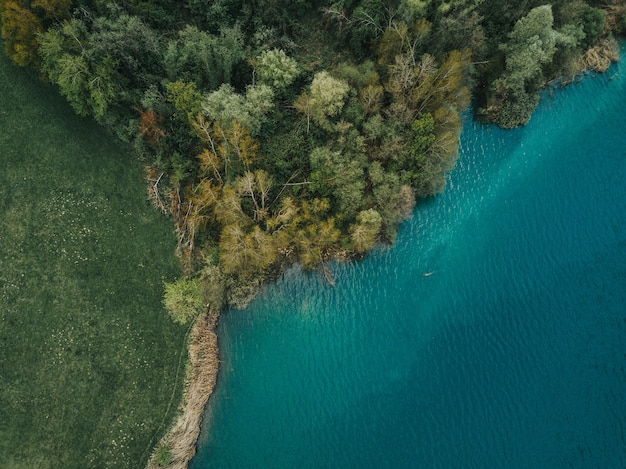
x=186, y=99
x=183, y=299
x=256, y=185
x=363, y=233
x=531, y=45
x=104, y=85
x=392, y=200
x=411, y=161
x=592, y=21
x=94, y=68
x=333, y=174
x=274, y=68
x=259, y=101
x=53, y=9
x=202, y=58
x=133, y=45
x=20, y=28
x=72, y=75
x=228, y=210
x=325, y=99
x=313, y=240
x=246, y=253
x=150, y=126
x=226, y=106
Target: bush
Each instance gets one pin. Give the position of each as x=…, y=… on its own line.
x=183, y=299
x=517, y=108
x=164, y=456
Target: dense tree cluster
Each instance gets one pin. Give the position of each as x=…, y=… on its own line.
x=277, y=131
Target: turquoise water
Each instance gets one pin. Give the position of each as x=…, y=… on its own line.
x=511, y=354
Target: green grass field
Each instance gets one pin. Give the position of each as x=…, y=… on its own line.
x=89, y=360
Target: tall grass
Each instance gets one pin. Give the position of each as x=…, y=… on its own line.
x=89, y=361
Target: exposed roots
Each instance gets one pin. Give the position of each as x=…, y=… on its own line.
x=182, y=438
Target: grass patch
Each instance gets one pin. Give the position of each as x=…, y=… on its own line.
x=88, y=358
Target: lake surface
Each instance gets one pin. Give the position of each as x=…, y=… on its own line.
x=511, y=354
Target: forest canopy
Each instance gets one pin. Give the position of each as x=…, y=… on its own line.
x=278, y=131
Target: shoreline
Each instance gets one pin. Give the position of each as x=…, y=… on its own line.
x=179, y=444
x=181, y=440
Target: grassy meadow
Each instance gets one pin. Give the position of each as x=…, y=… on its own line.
x=91, y=366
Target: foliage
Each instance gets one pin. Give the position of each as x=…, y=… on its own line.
x=531, y=46
x=206, y=60
x=363, y=233
x=325, y=99
x=284, y=131
x=293, y=131
x=164, y=456
x=274, y=68
x=150, y=126
x=53, y=9
x=185, y=98
x=183, y=299
x=132, y=44
x=226, y=106
x=532, y=43
x=593, y=21
x=213, y=282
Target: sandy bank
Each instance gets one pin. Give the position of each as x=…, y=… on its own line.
x=204, y=358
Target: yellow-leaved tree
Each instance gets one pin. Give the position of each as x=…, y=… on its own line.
x=20, y=28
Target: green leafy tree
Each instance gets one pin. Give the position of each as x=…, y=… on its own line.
x=226, y=106
x=202, y=58
x=72, y=74
x=592, y=21
x=531, y=45
x=64, y=61
x=183, y=299
x=335, y=175
x=104, y=86
x=392, y=200
x=186, y=99
x=276, y=69
x=133, y=45
x=90, y=86
x=364, y=232
x=213, y=14
x=411, y=161
x=325, y=99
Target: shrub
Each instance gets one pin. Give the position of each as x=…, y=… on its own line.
x=183, y=299
x=164, y=456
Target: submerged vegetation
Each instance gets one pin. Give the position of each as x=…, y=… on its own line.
x=275, y=131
